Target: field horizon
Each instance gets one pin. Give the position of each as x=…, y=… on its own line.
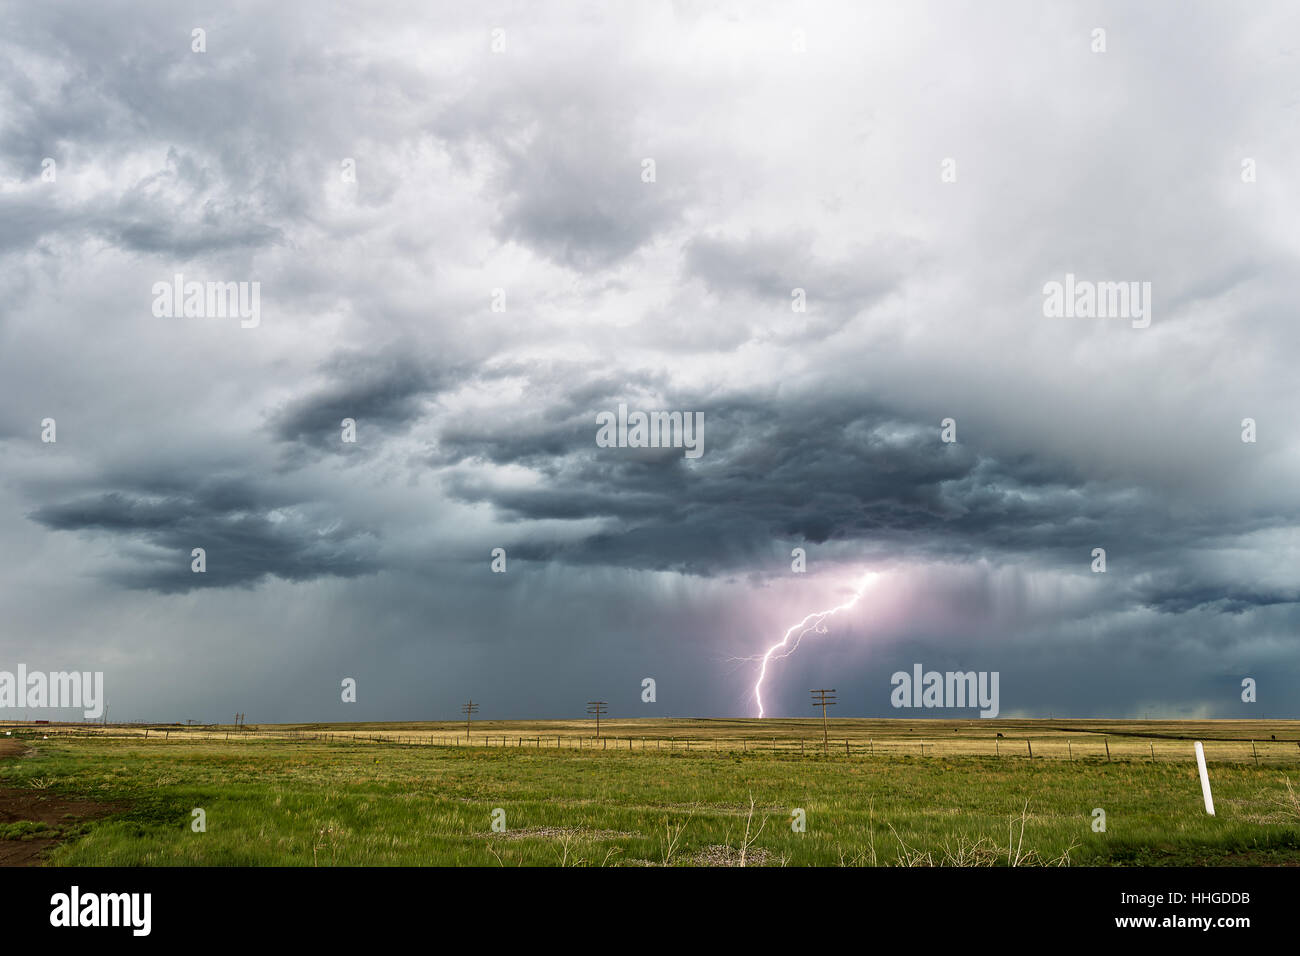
x=727, y=792
x=1224, y=738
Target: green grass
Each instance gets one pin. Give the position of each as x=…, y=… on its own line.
x=305, y=804
x=28, y=830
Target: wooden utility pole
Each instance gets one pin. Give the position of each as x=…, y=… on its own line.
x=824, y=699
x=596, y=707
x=469, y=710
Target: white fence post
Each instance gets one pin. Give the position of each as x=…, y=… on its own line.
x=1205, y=778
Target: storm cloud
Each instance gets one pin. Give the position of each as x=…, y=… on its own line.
x=842, y=249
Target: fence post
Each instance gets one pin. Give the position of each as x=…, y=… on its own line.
x=1031, y=748
x=1106, y=741
x=846, y=746
x=1153, y=751
x=1253, y=753
x=1071, y=748
x=1205, y=778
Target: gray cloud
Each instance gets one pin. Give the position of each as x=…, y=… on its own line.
x=768, y=267
x=248, y=537
x=521, y=171
x=382, y=393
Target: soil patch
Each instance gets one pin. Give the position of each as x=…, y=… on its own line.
x=32, y=821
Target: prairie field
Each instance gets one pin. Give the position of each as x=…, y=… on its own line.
x=653, y=793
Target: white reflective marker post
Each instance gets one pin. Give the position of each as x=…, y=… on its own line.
x=1205, y=778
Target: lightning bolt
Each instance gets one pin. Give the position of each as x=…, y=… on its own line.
x=813, y=622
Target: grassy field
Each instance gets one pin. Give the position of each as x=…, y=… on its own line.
x=383, y=795
x=1256, y=741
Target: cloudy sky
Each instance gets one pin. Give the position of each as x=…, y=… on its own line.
x=794, y=146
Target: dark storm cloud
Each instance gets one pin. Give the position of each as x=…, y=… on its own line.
x=816, y=470
x=1171, y=593
x=384, y=393
x=247, y=536
x=476, y=429
x=558, y=419
x=846, y=472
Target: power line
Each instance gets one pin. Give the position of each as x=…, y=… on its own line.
x=469, y=710
x=824, y=699
x=596, y=707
